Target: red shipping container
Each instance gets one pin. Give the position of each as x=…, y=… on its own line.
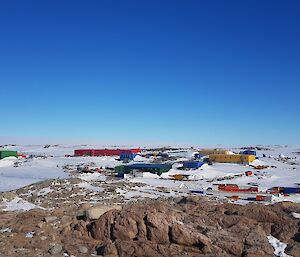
x=249, y=173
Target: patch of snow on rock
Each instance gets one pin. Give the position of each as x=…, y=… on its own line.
x=30, y=234
x=88, y=186
x=278, y=246
x=44, y=191
x=18, y=204
x=92, y=177
x=5, y=230
x=296, y=215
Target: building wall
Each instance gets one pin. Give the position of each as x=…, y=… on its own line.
x=8, y=153
x=231, y=158
x=192, y=165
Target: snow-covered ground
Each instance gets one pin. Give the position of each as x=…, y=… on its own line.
x=17, y=204
x=38, y=169
x=16, y=173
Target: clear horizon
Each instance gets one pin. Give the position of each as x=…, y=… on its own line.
x=181, y=72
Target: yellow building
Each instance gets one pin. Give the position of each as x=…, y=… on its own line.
x=212, y=151
x=232, y=158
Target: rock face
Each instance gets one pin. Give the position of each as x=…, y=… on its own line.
x=191, y=227
x=195, y=227
x=7, y=195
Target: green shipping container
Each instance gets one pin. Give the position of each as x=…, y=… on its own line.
x=7, y=153
x=119, y=169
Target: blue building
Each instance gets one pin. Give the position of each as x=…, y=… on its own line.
x=192, y=164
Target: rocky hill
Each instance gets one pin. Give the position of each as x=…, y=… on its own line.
x=189, y=226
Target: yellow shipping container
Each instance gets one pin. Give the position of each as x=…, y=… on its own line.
x=232, y=158
x=212, y=151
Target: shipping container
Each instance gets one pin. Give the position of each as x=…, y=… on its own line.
x=125, y=156
x=197, y=156
x=290, y=190
x=201, y=192
x=260, y=198
x=8, y=153
x=274, y=190
x=248, y=173
x=180, y=177
x=249, y=152
x=234, y=197
x=192, y=164
x=284, y=190
x=265, y=198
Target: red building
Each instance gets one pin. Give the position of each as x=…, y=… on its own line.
x=104, y=152
x=236, y=188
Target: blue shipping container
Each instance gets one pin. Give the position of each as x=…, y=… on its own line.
x=290, y=190
x=198, y=156
x=127, y=156
x=192, y=165
x=249, y=152
x=201, y=192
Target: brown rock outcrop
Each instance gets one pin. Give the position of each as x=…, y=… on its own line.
x=193, y=226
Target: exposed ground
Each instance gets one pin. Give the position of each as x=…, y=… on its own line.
x=189, y=226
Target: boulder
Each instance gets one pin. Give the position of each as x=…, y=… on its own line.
x=50, y=219
x=82, y=249
x=293, y=249
x=55, y=249
x=96, y=212
x=183, y=235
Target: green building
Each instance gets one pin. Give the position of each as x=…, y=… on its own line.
x=8, y=153
x=144, y=167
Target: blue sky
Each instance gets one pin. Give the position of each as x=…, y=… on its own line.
x=195, y=72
